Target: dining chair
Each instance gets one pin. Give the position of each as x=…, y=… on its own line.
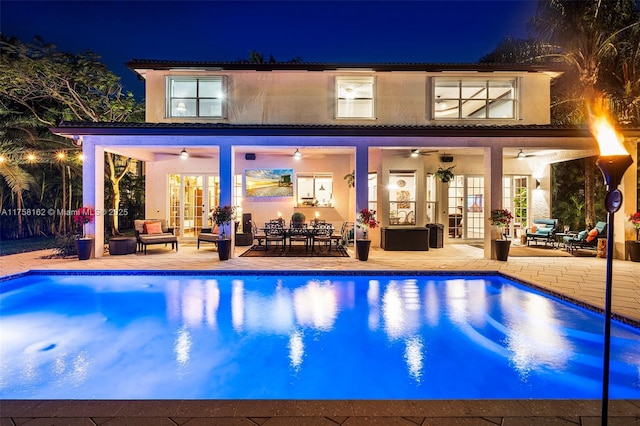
x=322, y=235
x=274, y=233
x=298, y=232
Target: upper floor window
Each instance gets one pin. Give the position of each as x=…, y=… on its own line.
x=196, y=97
x=354, y=97
x=474, y=99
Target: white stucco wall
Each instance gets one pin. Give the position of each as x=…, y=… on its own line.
x=302, y=97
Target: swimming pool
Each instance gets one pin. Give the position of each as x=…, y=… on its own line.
x=301, y=336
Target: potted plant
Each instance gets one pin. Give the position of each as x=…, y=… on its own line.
x=366, y=220
x=634, y=246
x=501, y=218
x=222, y=216
x=84, y=245
x=351, y=179
x=445, y=175
x=298, y=218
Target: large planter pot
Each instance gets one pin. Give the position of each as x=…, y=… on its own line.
x=634, y=250
x=84, y=247
x=224, y=249
x=362, y=249
x=502, y=249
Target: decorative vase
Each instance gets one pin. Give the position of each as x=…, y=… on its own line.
x=224, y=249
x=362, y=249
x=634, y=250
x=84, y=248
x=502, y=249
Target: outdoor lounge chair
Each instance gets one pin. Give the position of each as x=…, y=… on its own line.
x=543, y=230
x=586, y=239
x=154, y=231
x=208, y=235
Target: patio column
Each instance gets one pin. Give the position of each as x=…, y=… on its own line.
x=93, y=191
x=226, y=184
x=362, y=179
x=628, y=186
x=492, y=193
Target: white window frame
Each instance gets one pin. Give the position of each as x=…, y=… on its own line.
x=318, y=195
x=172, y=112
x=349, y=93
x=486, y=98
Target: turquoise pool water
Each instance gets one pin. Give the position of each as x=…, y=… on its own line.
x=290, y=336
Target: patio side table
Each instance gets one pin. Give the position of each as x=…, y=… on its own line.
x=122, y=245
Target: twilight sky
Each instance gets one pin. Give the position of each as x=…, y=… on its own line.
x=317, y=31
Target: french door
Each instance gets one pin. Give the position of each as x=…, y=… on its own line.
x=192, y=198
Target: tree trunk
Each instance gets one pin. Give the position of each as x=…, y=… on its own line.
x=114, y=179
x=589, y=192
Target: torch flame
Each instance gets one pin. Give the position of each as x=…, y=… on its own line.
x=609, y=141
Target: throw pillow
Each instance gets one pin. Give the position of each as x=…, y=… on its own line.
x=534, y=229
x=153, y=228
x=592, y=235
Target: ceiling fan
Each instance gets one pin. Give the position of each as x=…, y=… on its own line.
x=185, y=154
x=416, y=153
x=521, y=155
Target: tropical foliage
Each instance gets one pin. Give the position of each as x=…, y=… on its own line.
x=40, y=87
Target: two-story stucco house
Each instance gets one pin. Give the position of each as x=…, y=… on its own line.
x=391, y=125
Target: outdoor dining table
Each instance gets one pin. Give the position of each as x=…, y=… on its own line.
x=310, y=231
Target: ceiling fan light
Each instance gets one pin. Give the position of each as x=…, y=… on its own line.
x=521, y=155
x=415, y=152
x=297, y=154
x=184, y=154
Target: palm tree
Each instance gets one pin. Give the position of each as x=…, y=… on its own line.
x=591, y=35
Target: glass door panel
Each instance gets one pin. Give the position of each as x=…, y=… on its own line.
x=474, y=213
x=456, y=206
x=193, y=206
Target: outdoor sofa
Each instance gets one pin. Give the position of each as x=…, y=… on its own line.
x=154, y=231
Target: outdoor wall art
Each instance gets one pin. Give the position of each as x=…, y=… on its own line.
x=269, y=183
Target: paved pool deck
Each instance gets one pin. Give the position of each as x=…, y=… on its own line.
x=579, y=278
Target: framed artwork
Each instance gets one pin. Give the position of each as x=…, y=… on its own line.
x=268, y=182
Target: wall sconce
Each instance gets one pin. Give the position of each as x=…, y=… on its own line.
x=321, y=187
x=297, y=154
x=537, y=183
x=184, y=154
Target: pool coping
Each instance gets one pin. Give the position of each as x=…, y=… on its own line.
x=352, y=412
x=596, y=309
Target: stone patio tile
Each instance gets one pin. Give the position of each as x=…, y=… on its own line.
x=381, y=408
x=462, y=421
x=265, y=408
x=157, y=408
x=377, y=421
x=540, y=421
x=324, y=408
x=299, y=421
x=547, y=408
x=612, y=421
x=624, y=408
x=139, y=421
x=493, y=408
x=17, y=408
x=62, y=421
x=219, y=421
x=91, y=408
x=437, y=408
x=203, y=408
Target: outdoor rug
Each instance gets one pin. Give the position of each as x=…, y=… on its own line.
x=294, y=251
